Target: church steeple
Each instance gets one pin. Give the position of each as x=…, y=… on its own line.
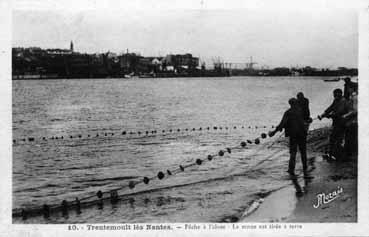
x=71, y=46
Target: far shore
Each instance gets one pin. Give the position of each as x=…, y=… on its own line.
x=135, y=78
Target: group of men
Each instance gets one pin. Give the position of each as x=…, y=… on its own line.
x=343, y=112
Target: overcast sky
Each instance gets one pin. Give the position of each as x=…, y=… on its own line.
x=272, y=38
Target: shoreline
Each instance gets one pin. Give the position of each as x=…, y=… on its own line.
x=139, y=78
x=313, y=204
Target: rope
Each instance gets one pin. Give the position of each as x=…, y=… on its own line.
x=136, y=133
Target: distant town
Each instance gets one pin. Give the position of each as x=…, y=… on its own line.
x=37, y=63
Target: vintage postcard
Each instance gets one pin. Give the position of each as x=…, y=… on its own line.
x=205, y=117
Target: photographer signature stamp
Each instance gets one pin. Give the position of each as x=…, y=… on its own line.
x=325, y=198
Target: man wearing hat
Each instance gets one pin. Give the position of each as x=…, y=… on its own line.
x=303, y=102
x=349, y=87
x=335, y=111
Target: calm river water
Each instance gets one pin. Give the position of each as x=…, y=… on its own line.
x=51, y=170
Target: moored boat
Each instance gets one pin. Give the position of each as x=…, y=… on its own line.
x=332, y=79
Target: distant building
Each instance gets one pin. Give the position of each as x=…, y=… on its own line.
x=144, y=64
x=66, y=63
x=156, y=61
x=58, y=51
x=129, y=62
x=179, y=61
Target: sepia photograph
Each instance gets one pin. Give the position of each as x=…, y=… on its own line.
x=184, y=116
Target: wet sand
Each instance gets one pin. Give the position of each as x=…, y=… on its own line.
x=300, y=202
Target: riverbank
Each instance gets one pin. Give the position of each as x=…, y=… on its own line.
x=329, y=78
x=330, y=196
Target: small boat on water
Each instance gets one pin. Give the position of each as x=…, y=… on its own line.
x=332, y=79
x=131, y=75
x=147, y=75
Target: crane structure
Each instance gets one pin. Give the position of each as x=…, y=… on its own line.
x=221, y=64
x=251, y=64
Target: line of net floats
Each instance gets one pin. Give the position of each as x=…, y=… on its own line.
x=113, y=196
x=145, y=133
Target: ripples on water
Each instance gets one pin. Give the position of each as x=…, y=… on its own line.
x=53, y=170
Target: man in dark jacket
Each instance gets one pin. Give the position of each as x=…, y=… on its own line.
x=349, y=87
x=336, y=110
x=303, y=103
x=351, y=133
x=294, y=128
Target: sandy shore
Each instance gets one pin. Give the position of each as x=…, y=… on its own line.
x=304, y=200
